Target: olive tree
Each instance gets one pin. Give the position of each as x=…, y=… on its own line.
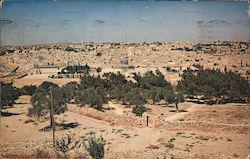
x=46, y=95
x=91, y=97
x=71, y=90
x=8, y=94
x=173, y=97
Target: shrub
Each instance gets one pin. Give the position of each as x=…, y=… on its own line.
x=98, y=54
x=168, y=69
x=48, y=85
x=41, y=154
x=98, y=69
x=66, y=144
x=131, y=67
x=8, y=94
x=70, y=49
x=139, y=110
x=95, y=147
x=28, y=90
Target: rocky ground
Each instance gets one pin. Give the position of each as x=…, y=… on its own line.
x=171, y=58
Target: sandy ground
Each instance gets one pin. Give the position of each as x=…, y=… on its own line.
x=200, y=131
x=20, y=137
x=126, y=58
x=39, y=79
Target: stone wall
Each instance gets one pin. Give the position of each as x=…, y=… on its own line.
x=111, y=118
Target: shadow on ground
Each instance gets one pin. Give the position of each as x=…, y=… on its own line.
x=8, y=114
x=178, y=111
x=62, y=126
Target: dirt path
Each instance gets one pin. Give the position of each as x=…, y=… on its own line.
x=180, y=115
x=118, y=109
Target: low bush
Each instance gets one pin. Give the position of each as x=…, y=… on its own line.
x=66, y=144
x=139, y=110
x=95, y=147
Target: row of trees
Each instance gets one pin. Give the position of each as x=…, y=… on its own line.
x=150, y=87
x=95, y=91
x=9, y=93
x=213, y=84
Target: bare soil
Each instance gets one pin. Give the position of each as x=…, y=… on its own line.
x=21, y=136
x=198, y=131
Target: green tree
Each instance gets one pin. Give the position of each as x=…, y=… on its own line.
x=8, y=94
x=115, y=79
x=178, y=97
x=215, y=84
x=135, y=97
x=169, y=97
x=155, y=94
x=91, y=97
x=91, y=81
x=95, y=147
x=84, y=69
x=28, y=90
x=139, y=110
x=71, y=89
x=120, y=91
x=41, y=100
x=48, y=85
x=150, y=79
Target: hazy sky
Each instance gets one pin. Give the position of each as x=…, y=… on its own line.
x=45, y=21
